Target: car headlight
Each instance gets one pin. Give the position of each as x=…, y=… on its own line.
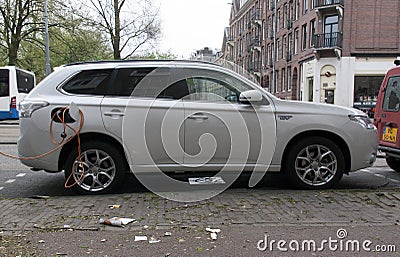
x=26, y=108
x=363, y=120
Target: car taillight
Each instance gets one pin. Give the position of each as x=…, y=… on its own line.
x=13, y=103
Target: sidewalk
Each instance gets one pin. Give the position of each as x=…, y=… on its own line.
x=69, y=225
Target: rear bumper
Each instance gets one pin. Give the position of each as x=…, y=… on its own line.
x=34, y=141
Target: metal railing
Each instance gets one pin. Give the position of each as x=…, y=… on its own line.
x=322, y=3
x=255, y=41
x=328, y=40
x=255, y=67
x=256, y=15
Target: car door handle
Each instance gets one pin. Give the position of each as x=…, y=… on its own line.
x=198, y=117
x=114, y=114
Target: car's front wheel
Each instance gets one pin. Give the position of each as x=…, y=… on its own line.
x=314, y=163
x=393, y=163
x=99, y=170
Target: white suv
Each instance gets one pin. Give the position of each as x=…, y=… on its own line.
x=180, y=116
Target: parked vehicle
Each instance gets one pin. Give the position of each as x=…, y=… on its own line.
x=367, y=107
x=15, y=84
x=387, y=117
x=315, y=144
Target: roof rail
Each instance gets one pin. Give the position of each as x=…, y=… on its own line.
x=136, y=60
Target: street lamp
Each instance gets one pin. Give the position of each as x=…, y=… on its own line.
x=46, y=25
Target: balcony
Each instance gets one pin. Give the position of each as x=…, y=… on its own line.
x=328, y=44
x=328, y=40
x=231, y=41
x=255, y=43
x=256, y=17
x=324, y=7
x=328, y=3
x=255, y=68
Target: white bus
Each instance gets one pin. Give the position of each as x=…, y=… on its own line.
x=15, y=84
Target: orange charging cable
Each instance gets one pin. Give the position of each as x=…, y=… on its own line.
x=61, y=143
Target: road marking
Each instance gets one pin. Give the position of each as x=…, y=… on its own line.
x=20, y=175
x=10, y=181
x=1, y=188
x=379, y=175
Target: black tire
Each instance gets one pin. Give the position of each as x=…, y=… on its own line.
x=393, y=163
x=322, y=167
x=104, y=172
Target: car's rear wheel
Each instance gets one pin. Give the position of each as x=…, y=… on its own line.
x=314, y=163
x=100, y=169
x=393, y=163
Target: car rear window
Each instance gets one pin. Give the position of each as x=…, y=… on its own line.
x=89, y=82
x=25, y=82
x=4, y=85
x=391, y=99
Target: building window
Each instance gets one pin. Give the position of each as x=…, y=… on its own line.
x=312, y=32
x=269, y=28
x=278, y=48
x=272, y=54
x=284, y=47
x=289, y=78
x=290, y=44
x=276, y=84
x=305, y=6
x=268, y=54
x=283, y=80
x=297, y=14
x=304, y=37
x=312, y=4
x=285, y=15
x=263, y=30
x=262, y=56
x=278, y=21
x=296, y=41
x=331, y=30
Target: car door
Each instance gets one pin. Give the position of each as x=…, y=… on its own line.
x=136, y=113
x=388, y=116
x=221, y=131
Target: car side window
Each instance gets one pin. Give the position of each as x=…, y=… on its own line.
x=210, y=89
x=391, y=101
x=89, y=82
x=175, y=91
x=127, y=79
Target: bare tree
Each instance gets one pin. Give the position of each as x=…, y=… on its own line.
x=18, y=22
x=129, y=26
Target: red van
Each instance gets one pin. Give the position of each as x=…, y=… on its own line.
x=387, y=117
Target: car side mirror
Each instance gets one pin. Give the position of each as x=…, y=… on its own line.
x=251, y=96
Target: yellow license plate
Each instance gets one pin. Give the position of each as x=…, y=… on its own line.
x=389, y=134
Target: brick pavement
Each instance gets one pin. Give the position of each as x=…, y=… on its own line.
x=235, y=206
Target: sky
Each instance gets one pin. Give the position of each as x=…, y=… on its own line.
x=190, y=25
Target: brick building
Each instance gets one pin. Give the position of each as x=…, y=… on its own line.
x=333, y=51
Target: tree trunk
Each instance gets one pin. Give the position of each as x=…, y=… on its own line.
x=13, y=51
x=117, y=31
